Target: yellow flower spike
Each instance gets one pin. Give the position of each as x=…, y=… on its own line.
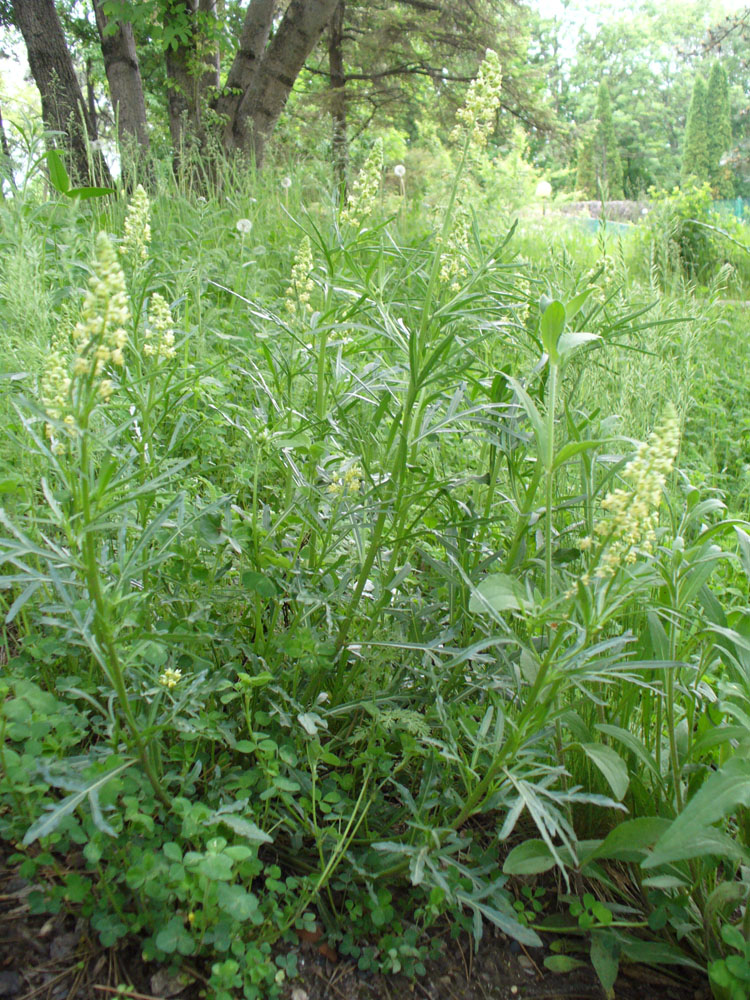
x=301, y=284
x=364, y=194
x=633, y=514
x=137, y=229
x=476, y=119
x=159, y=333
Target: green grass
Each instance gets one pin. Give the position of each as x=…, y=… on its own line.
x=302, y=611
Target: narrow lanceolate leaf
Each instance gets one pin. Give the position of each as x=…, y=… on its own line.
x=611, y=765
x=58, y=175
x=51, y=819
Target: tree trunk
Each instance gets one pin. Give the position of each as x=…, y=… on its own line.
x=6, y=164
x=338, y=97
x=124, y=78
x=192, y=75
x=63, y=108
x=264, y=98
x=256, y=30
x=91, y=99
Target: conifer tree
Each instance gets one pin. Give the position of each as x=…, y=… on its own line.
x=606, y=154
x=695, y=162
x=586, y=171
x=719, y=131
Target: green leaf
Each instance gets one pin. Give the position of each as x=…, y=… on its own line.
x=311, y=722
x=629, y=840
x=50, y=820
x=574, y=305
x=500, y=591
x=174, y=938
x=654, y=952
x=563, y=963
x=571, y=449
x=237, y=902
x=605, y=957
x=540, y=431
x=691, y=834
x=611, y=765
x=85, y=193
x=245, y=828
x=570, y=342
x=216, y=867
x=58, y=175
x=259, y=584
x=530, y=858
x=632, y=743
x=551, y=326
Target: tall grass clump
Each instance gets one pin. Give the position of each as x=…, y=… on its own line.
x=336, y=600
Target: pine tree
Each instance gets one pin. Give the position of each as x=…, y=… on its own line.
x=695, y=163
x=606, y=154
x=719, y=131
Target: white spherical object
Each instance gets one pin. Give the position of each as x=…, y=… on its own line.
x=543, y=189
x=286, y=183
x=244, y=226
x=399, y=170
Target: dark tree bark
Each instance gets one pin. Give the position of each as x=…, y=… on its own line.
x=256, y=30
x=63, y=108
x=338, y=96
x=124, y=78
x=91, y=99
x=271, y=82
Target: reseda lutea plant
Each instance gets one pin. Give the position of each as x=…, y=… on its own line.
x=407, y=594
x=94, y=545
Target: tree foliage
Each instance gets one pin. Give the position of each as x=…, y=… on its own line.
x=599, y=164
x=719, y=134
x=695, y=156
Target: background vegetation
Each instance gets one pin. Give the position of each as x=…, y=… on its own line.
x=373, y=534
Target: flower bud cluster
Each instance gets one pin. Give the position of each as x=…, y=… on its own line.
x=632, y=521
x=170, y=678
x=604, y=274
x=301, y=284
x=523, y=308
x=364, y=194
x=137, y=229
x=348, y=483
x=476, y=119
x=454, y=255
x=68, y=388
x=100, y=335
x=159, y=334
x=55, y=392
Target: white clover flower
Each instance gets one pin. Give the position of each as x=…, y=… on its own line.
x=286, y=183
x=244, y=226
x=399, y=170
